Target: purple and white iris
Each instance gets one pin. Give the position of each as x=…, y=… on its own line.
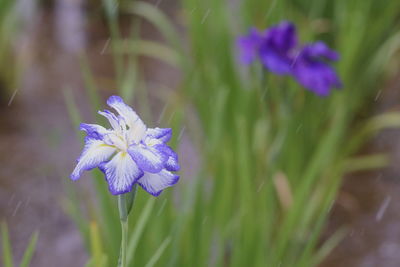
x=128, y=152
x=278, y=51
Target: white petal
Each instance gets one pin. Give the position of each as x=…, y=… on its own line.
x=154, y=183
x=121, y=173
x=94, y=153
x=112, y=119
x=116, y=140
x=137, y=131
x=137, y=128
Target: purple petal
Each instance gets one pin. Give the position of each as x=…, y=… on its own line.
x=317, y=77
x=172, y=162
x=276, y=62
x=319, y=50
x=276, y=52
x=94, y=153
x=282, y=36
x=94, y=131
x=121, y=173
x=155, y=183
x=148, y=158
x=164, y=134
x=248, y=46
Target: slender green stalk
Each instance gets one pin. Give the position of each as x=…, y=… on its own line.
x=123, y=216
x=125, y=203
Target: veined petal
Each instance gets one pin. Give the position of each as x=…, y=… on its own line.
x=172, y=162
x=164, y=134
x=94, y=153
x=149, y=158
x=93, y=130
x=155, y=183
x=121, y=173
x=137, y=131
x=112, y=119
x=114, y=139
x=137, y=128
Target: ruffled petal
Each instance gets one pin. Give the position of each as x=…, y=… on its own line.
x=155, y=183
x=112, y=119
x=317, y=77
x=163, y=134
x=319, y=50
x=94, y=131
x=121, y=173
x=149, y=158
x=277, y=49
x=137, y=129
x=283, y=36
x=94, y=153
x=172, y=162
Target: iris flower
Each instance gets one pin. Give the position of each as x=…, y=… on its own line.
x=278, y=50
x=128, y=152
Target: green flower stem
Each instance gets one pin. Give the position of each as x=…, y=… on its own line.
x=124, y=209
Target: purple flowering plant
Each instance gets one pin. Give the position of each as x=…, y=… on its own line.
x=129, y=154
x=278, y=50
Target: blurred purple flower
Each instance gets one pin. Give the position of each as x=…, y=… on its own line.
x=274, y=47
x=128, y=152
x=278, y=51
x=311, y=68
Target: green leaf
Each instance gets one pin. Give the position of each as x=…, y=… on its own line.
x=139, y=228
x=26, y=259
x=7, y=254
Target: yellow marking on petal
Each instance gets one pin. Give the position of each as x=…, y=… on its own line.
x=105, y=145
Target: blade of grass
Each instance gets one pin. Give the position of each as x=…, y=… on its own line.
x=138, y=230
x=7, y=254
x=26, y=259
x=159, y=252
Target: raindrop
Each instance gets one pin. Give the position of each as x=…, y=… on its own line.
x=382, y=208
x=205, y=16
x=162, y=114
x=378, y=95
x=181, y=132
x=16, y=208
x=105, y=46
x=260, y=186
x=162, y=207
x=12, y=97
x=170, y=118
x=299, y=128
x=194, y=9
x=28, y=201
